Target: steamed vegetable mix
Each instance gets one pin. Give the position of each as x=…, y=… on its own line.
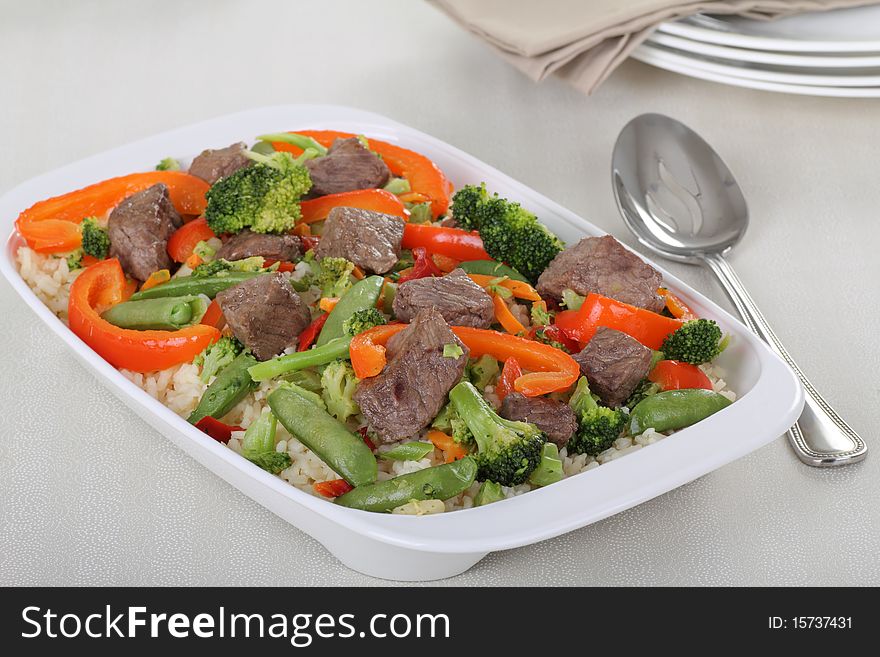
x=361, y=296
x=598, y=426
x=258, y=445
x=164, y=314
x=675, y=409
x=438, y=483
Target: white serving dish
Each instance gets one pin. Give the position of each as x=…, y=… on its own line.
x=431, y=547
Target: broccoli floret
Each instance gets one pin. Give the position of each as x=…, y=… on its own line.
x=219, y=266
x=420, y=213
x=217, y=356
x=258, y=445
x=483, y=371
x=362, y=320
x=205, y=251
x=540, y=316
x=510, y=233
x=263, y=197
x=697, y=341
x=168, y=164
x=549, y=470
x=448, y=421
x=338, y=385
x=95, y=239
x=333, y=276
x=598, y=426
x=507, y=451
x=74, y=259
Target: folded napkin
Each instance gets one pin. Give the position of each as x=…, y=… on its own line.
x=583, y=41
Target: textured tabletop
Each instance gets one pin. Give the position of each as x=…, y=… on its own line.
x=89, y=494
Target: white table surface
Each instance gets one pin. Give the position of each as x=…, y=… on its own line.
x=89, y=494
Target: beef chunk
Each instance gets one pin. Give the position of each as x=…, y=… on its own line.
x=554, y=418
x=212, y=165
x=455, y=296
x=346, y=167
x=139, y=229
x=614, y=364
x=371, y=240
x=265, y=314
x=247, y=243
x=603, y=265
x=406, y=396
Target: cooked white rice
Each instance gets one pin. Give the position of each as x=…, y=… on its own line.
x=180, y=389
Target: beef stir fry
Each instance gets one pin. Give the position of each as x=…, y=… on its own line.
x=330, y=308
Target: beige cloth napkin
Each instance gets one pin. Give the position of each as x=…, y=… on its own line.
x=583, y=41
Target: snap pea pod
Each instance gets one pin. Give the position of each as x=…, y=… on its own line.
x=675, y=409
x=210, y=286
x=413, y=451
x=230, y=387
x=492, y=268
x=300, y=360
x=165, y=314
x=344, y=452
x=438, y=483
x=361, y=295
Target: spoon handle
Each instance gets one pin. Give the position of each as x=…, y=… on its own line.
x=820, y=437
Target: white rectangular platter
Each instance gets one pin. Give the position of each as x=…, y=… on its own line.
x=431, y=547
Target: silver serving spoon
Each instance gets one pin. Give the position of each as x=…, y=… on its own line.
x=680, y=200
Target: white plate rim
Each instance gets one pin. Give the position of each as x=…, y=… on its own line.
x=758, y=417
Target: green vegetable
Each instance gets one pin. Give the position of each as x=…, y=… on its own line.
x=165, y=314
x=217, y=356
x=332, y=275
x=541, y=336
x=338, y=385
x=221, y=266
x=74, y=259
x=209, y=286
x=263, y=197
x=549, y=470
x=310, y=396
x=491, y=268
x=300, y=360
x=305, y=379
x=656, y=357
x=362, y=320
x=572, y=300
x=452, y=350
x=389, y=292
x=168, y=164
x=438, y=483
x=598, y=426
x=449, y=421
x=295, y=139
x=362, y=296
x=483, y=371
x=507, y=451
x=414, y=451
x=644, y=389
x=397, y=186
x=697, y=341
x=675, y=409
x=510, y=233
x=540, y=316
x=263, y=148
x=258, y=445
x=405, y=261
x=420, y=213
x=343, y=451
x=95, y=238
x=232, y=384
x=205, y=251
x=489, y=492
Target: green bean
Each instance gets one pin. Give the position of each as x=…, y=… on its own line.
x=438, y=483
x=305, y=379
x=492, y=268
x=300, y=360
x=414, y=451
x=675, y=409
x=186, y=285
x=343, y=451
x=362, y=294
x=165, y=314
x=232, y=384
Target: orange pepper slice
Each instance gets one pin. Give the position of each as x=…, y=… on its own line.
x=445, y=443
x=505, y=317
x=328, y=303
x=377, y=200
x=156, y=278
x=184, y=240
x=519, y=289
x=509, y=374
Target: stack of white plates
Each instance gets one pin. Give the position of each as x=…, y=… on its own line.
x=834, y=53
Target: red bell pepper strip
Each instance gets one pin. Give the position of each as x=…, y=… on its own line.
x=309, y=242
x=214, y=316
x=549, y=369
x=216, y=429
x=332, y=488
x=509, y=374
x=183, y=241
x=103, y=285
x=674, y=375
x=52, y=225
x=369, y=443
x=310, y=332
x=648, y=328
x=677, y=308
x=423, y=175
x=423, y=267
x=555, y=333
x=452, y=242
x=377, y=200
x=283, y=265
